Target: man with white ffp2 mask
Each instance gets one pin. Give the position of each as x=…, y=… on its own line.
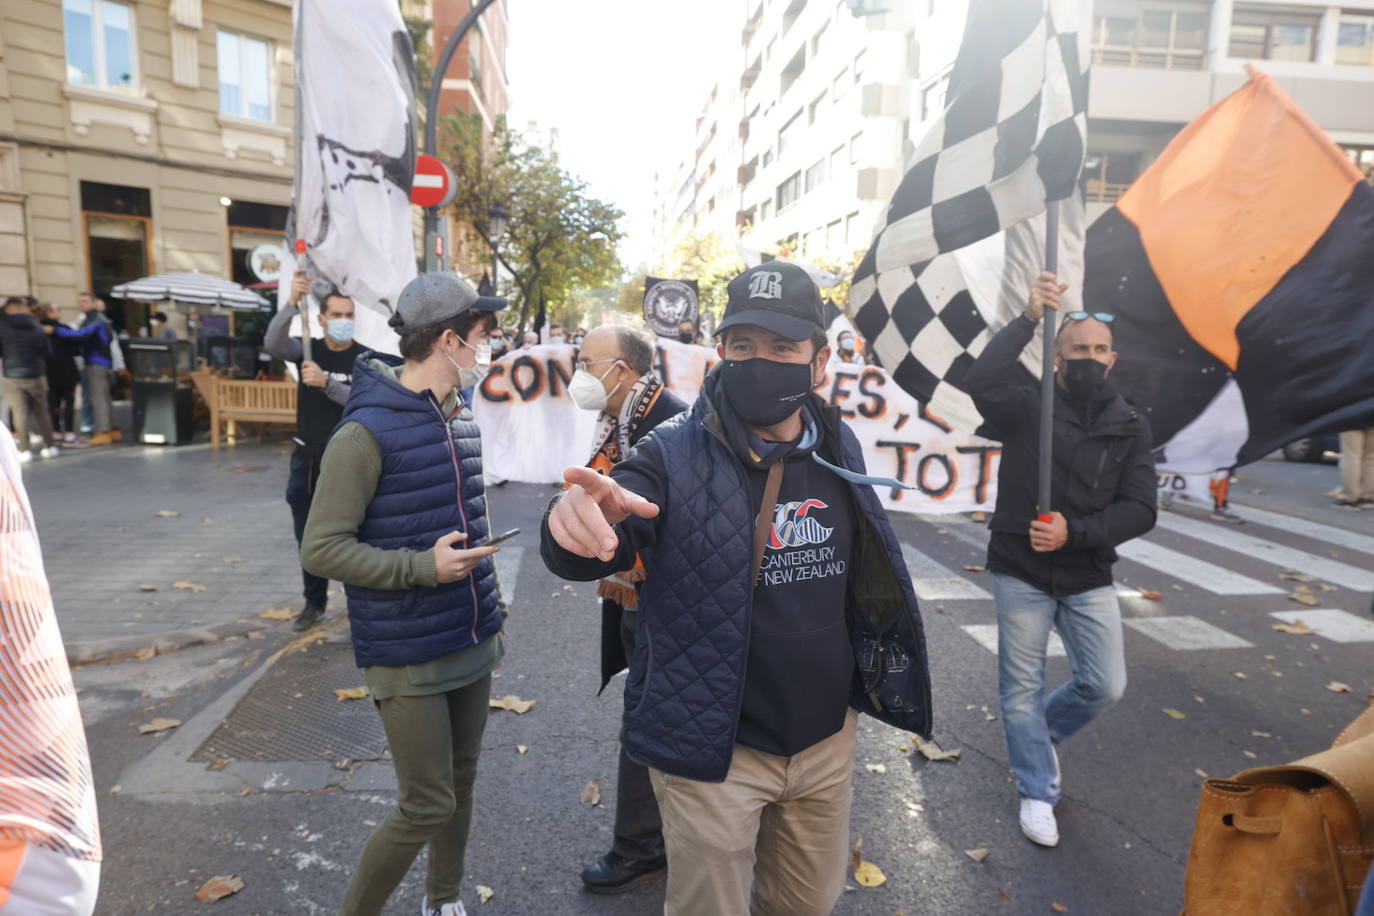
x=615, y=377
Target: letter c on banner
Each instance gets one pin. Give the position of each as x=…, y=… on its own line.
x=497, y=371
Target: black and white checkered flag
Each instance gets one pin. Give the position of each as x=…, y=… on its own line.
x=963, y=237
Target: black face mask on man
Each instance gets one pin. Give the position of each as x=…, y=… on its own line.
x=1083, y=379
x=686, y=336
x=764, y=392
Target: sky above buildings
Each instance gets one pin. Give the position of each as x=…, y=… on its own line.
x=623, y=82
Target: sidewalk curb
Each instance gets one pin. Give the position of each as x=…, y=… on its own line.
x=131, y=648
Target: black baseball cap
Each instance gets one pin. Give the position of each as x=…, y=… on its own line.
x=776, y=296
x=435, y=297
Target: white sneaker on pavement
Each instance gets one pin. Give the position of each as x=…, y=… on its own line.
x=51, y=451
x=25, y=456
x=448, y=909
x=1038, y=823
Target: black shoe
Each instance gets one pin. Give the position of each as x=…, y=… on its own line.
x=615, y=874
x=307, y=618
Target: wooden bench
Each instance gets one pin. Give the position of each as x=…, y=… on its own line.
x=233, y=401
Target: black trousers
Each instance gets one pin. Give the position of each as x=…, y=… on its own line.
x=300, y=488
x=638, y=827
x=62, y=406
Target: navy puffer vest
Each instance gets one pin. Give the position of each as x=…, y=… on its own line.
x=431, y=484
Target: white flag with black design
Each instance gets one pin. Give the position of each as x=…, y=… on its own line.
x=963, y=237
x=355, y=136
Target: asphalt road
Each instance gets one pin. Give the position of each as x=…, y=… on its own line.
x=292, y=829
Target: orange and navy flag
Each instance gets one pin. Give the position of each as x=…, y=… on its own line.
x=1240, y=268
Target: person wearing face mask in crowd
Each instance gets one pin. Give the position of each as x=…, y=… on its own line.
x=530, y=339
x=686, y=332
x=323, y=389
x=848, y=348
x=402, y=520
x=615, y=378
x=556, y=335
x=775, y=589
x=1059, y=572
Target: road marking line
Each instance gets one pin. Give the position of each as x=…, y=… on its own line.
x=508, y=561
x=1337, y=626
x=1216, y=579
x=986, y=635
x=936, y=583
x=1269, y=552
x=1186, y=633
x=1337, y=537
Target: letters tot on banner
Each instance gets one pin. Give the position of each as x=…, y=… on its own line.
x=532, y=431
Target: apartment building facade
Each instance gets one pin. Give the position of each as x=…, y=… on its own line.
x=829, y=102
x=140, y=137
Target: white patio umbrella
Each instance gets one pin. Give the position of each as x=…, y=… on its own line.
x=192, y=289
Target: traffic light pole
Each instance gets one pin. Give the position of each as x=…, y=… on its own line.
x=434, y=254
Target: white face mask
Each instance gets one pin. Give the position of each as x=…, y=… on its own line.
x=469, y=378
x=587, y=391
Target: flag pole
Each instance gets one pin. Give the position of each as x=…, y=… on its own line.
x=1047, y=368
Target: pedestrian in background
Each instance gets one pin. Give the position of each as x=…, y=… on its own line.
x=401, y=520
x=1058, y=573
x=97, y=343
x=157, y=324
x=615, y=378
x=24, y=351
x=1357, y=468
x=759, y=531
x=63, y=378
x=320, y=398
x=687, y=332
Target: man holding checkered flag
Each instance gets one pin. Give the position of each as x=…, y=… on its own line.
x=974, y=223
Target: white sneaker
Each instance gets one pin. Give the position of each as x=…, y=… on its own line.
x=25, y=456
x=51, y=451
x=448, y=909
x=1038, y=823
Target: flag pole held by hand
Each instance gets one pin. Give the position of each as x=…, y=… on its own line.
x=304, y=308
x=1047, y=367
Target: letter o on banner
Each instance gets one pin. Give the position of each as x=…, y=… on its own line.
x=530, y=383
x=923, y=474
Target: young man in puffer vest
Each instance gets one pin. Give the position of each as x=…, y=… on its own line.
x=400, y=517
x=776, y=604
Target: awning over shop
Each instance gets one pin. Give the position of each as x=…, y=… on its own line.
x=191, y=289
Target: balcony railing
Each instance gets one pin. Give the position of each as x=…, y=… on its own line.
x=1153, y=58
x=1097, y=191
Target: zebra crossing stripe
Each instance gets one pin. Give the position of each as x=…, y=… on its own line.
x=508, y=561
x=1269, y=552
x=986, y=636
x=1186, y=633
x=1337, y=537
x=936, y=583
x=1337, y=626
x=1216, y=579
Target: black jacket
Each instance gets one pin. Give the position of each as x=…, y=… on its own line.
x=613, y=660
x=23, y=347
x=1103, y=480
x=62, y=371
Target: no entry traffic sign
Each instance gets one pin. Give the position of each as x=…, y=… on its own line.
x=434, y=184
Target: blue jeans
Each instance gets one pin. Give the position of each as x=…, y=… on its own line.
x=1090, y=626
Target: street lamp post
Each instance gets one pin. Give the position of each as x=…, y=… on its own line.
x=433, y=257
x=496, y=227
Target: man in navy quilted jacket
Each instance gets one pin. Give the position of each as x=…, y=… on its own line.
x=776, y=606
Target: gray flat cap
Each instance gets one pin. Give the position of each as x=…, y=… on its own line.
x=435, y=297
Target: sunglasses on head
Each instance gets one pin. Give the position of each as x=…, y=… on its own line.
x=1104, y=317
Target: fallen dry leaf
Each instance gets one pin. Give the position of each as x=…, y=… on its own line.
x=189, y=586
x=350, y=693
x=219, y=887
x=512, y=703
x=875, y=767
x=1239, y=674
x=1153, y=596
x=931, y=751
x=521, y=748
x=247, y=468
x=1059, y=907
x=869, y=875
x=1304, y=589
x=276, y=613
x=1338, y=687
x=484, y=893
x=591, y=793
x=977, y=855
x=1297, y=628
x=1292, y=576
x=1202, y=773
x=1251, y=754
x=1309, y=600
x=147, y=652
x=975, y=568
x=1323, y=587
x=1003, y=895
x=1174, y=713
x=158, y=725
x=978, y=516
x=1261, y=734
x=167, y=513
x=236, y=559
x=149, y=588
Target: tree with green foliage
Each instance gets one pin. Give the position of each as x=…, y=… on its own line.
x=559, y=239
x=708, y=259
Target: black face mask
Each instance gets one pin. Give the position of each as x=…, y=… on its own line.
x=1083, y=378
x=764, y=392
x=686, y=336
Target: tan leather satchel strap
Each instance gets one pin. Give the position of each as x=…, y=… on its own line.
x=1360, y=728
x=1262, y=826
x=765, y=523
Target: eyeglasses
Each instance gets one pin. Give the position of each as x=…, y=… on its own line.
x=587, y=366
x=1104, y=317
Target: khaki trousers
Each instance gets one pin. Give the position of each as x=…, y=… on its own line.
x=1357, y=464
x=28, y=398
x=772, y=840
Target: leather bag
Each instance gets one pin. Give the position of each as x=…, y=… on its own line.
x=1282, y=840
